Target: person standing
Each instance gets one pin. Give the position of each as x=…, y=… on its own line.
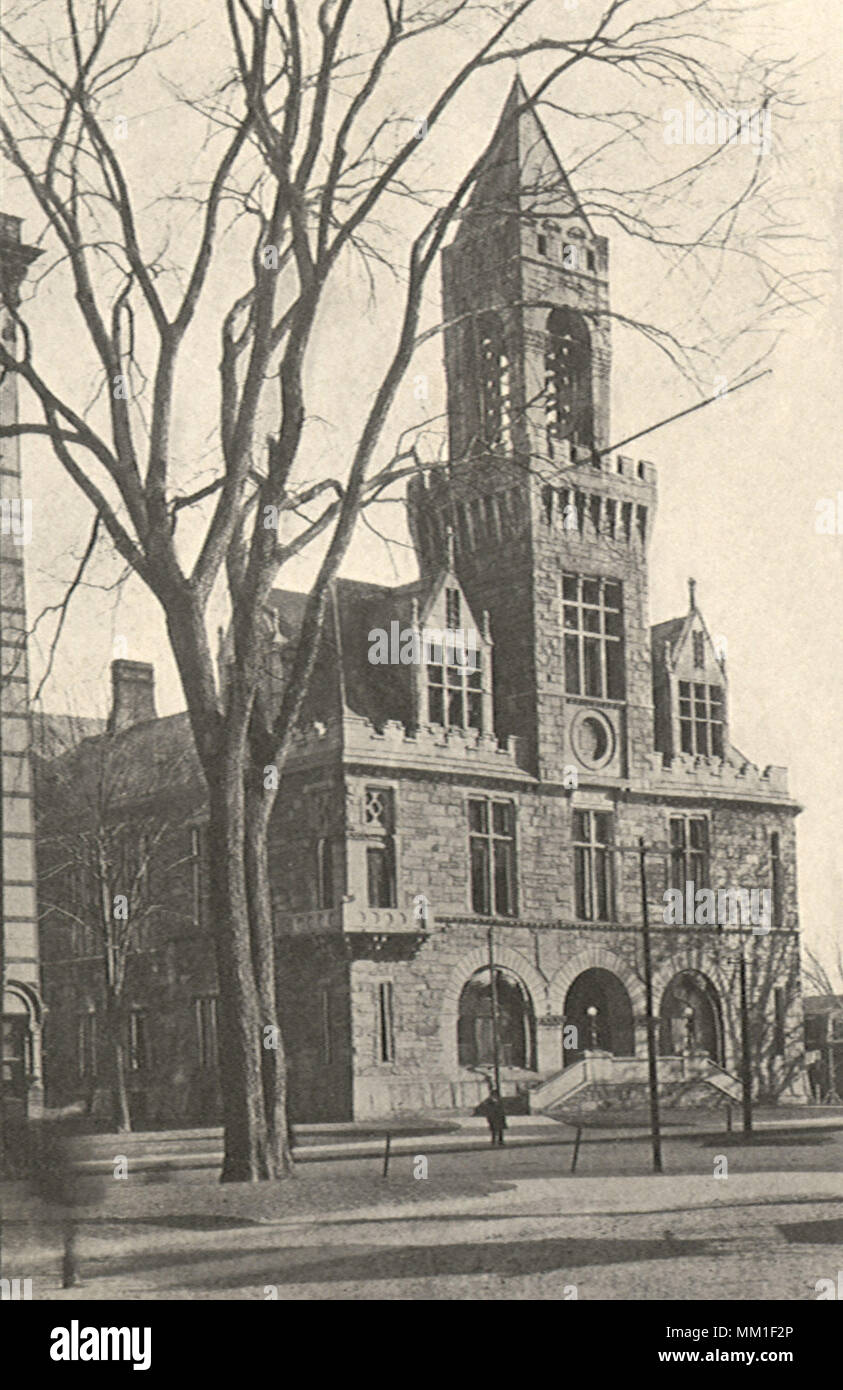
x=493, y=1109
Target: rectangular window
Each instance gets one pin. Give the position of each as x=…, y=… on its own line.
x=380, y=876
x=195, y=854
x=452, y=608
x=386, y=1027
x=776, y=879
x=779, y=1025
x=699, y=650
x=379, y=820
x=455, y=691
x=325, y=896
x=206, y=1031
x=492, y=857
x=689, y=854
x=326, y=1027
x=138, y=1048
x=593, y=879
x=593, y=625
x=86, y=1046
x=701, y=719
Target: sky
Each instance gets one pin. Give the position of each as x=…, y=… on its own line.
x=740, y=482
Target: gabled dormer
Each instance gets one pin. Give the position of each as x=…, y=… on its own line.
x=453, y=679
x=690, y=692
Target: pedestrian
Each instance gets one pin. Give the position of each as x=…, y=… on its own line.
x=493, y=1109
x=56, y=1178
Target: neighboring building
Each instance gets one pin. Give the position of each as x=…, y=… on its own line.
x=437, y=815
x=22, y=1009
x=824, y=1046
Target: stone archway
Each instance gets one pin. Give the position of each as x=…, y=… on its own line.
x=22, y=1021
x=513, y=1022
x=691, y=1019
x=595, y=957
x=511, y=963
x=598, y=1006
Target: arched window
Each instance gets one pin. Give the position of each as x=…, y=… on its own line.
x=494, y=381
x=569, y=408
x=509, y=1017
x=691, y=1020
x=598, y=1008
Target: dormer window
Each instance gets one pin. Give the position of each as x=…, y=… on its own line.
x=455, y=686
x=541, y=241
x=701, y=719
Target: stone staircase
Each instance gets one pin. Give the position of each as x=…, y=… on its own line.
x=600, y=1081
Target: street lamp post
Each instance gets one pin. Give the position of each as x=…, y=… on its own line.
x=652, y=1066
x=592, y=1012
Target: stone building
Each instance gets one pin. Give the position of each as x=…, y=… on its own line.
x=22, y=1008
x=455, y=849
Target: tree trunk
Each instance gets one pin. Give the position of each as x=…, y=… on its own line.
x=251, y=1075
x=273, y=1056
x=121, y=1114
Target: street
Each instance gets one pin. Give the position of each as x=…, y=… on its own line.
x=503, y=1224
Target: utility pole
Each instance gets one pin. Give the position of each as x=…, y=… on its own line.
x=652, y=1066
x=746, y=1050
x=495, y=1043
x=2, y=996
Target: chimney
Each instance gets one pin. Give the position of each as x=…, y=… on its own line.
x=132, y=694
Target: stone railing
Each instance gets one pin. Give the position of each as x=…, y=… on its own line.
x=603, y=1069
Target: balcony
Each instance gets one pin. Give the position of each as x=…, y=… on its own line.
x=354, y=917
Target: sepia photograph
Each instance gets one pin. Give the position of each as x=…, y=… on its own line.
x=421, y=588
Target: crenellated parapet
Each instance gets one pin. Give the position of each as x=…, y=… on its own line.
x=568, y=455
x=355, y=739
x=741, y=780
x=448, y=750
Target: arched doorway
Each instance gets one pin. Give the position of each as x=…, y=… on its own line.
x=515, y=1022
x=691, y=1020
x=20, y=1057
x=610, y=1026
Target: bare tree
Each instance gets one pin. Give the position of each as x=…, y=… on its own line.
x=302, y=171
x=107, y=871
x=824, y=976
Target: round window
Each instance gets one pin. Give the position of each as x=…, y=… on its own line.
x=593, y=738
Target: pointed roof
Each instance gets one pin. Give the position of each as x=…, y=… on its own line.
x=676, y=630
x=344, y=674
x=523, y=172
